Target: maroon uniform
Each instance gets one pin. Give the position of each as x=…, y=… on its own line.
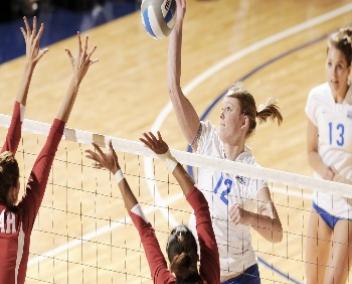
x=14, y=133
x=209, y=256
x=16, y=225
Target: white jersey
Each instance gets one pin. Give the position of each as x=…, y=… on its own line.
x=223, y=190
x=334, y=123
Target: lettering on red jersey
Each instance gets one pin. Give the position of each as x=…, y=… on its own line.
x=7, y=222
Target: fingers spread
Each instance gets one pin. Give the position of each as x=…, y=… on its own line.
x=148, y=138
x=40, y=33
x=91, y=62
x=34, y=29
x=79, y=42
x=91, y=155
x=26, y=24
x=41, y=54
x=151, y=134
x=24, y=33
x=97, y=148
x=85, y=44
x=113, y=152
x=159, y=136
x=70, y=56
x=146, y=142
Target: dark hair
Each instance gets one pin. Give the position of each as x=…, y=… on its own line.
x=249, y=108
x=9, y=175
x=342, y=40
x=182, y=253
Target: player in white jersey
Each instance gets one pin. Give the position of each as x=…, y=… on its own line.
x=329, y=112
x=236, y=203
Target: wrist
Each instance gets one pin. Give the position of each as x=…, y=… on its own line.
x=178, y=26
x=169, y=160
x=74, y=84
x=115, y=169
x=119, y=176
x=28, y=70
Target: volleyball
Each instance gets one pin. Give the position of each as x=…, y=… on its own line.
x=158, y=17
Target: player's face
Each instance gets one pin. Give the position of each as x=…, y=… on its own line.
x=337, y=70
x=232, y=121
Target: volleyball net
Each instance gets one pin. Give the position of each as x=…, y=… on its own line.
x=82, y=233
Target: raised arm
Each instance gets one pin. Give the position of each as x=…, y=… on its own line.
x=186, y=114
x=209, y=256
x=80, y=65
x=156, y=260
x=32, y=38
x=159, y=147
x=39, y=175
x=109, y=161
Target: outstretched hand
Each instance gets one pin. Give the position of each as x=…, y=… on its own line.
x=32, y=38
x=157, y=145
x=106, y=160
x=83, y=59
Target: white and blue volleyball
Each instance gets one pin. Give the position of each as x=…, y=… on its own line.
x=158, y=17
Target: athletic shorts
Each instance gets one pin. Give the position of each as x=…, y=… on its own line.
x=329, y=219
x=249, y=276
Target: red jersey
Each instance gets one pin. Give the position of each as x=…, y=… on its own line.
x=13, y=136
x=209, y=256
x=16, y=226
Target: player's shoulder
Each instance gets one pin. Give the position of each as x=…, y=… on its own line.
x=207, y=126
x=321, y=92
x=209, y=134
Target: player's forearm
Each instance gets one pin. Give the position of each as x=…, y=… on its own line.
x=174, y=58
x=24, y=86
x=269, y=228
x=186, y=115
x=67, y=105
x=128, y=197
x=184, y=180
x=42, y=165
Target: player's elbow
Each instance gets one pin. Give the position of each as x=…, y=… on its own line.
x=174, y=89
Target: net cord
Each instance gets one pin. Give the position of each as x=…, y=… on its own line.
x=195, y=160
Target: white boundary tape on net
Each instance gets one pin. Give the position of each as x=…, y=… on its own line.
x=195, y=160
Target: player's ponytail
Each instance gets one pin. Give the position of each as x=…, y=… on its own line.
x=342, y=40
x=182, y=253
x=249, y=108
x=9, y=174
x=185, y=271
x=269, y=110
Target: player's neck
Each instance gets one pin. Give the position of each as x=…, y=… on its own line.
x=340, y=96
x=232, y=151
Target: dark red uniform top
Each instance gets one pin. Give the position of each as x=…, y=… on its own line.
x=209, y=256
x=16, y=226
